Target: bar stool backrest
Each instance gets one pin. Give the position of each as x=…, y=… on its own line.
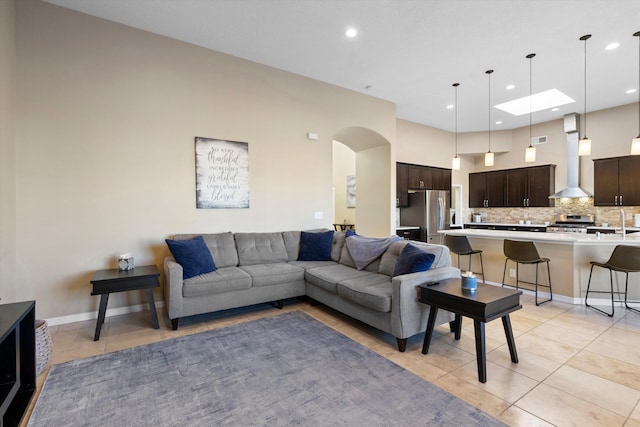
x=521, y=251
x=458, y=244
x=625, y=258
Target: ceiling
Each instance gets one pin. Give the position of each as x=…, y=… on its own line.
x=410, y=52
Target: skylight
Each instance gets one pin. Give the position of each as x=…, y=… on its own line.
x=539, y=101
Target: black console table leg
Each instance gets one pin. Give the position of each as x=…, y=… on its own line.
x=506, y=322
x=480, y=350
x=152, y=307
x=104, y=299
x=433, y=311
x=458, y=326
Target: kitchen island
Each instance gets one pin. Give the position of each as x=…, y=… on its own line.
x=570, y=255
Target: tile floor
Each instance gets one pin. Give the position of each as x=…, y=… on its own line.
x=577, y=367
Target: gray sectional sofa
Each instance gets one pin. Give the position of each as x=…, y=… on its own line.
x=255, y=268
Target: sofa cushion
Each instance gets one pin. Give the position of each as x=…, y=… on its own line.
x=221, y=245
x=217, y=282
x=373, y=291
x=412, y=260
x=389, y=258
x=193, y=255
x=273, y=273
x=260, y=248
x=327, y=277
x=315, y=246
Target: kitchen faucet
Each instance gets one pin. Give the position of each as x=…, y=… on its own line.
x=624, y=229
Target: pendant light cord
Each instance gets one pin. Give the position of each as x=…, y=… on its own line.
x=489, y=73
x=585, y=38
x=455, y=85
x=530, y=56
x=637, y=34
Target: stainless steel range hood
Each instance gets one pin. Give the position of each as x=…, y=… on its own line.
x=573, y=190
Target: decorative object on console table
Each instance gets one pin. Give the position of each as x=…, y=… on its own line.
x=105, y=282
x=125, y=262
x=17, y=360
x=222, y=174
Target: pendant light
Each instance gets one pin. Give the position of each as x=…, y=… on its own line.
x=488, y=156
x=455, y=163
x=584, y=145
x=530, y=152
x=635, y=142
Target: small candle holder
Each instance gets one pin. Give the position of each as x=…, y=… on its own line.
x=469, y=282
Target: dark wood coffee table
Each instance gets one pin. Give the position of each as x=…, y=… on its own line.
x=484, y=305
x=113, y=280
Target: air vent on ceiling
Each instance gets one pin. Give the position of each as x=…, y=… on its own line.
x=537, y=140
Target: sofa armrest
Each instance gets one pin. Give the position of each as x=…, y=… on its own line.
x=408, y=316
x=173, y=288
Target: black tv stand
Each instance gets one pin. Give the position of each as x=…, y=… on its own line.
x=17, y=360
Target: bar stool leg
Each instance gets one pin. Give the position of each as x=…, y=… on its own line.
x=626, y=289
x=586, y=297
x=482, y=269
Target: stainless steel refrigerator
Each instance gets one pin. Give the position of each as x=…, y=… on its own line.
x=429, y=210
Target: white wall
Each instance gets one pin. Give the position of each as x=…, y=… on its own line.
x=106, y=117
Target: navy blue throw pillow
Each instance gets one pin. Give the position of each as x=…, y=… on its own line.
x=350, y=233
x=412, y=260
x=193, y=255
x=315, y=246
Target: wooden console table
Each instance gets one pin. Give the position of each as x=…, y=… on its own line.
x=113, y=280
x=17, y=360
x=487, y=303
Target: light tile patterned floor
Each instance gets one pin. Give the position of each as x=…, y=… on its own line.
x=577, y=367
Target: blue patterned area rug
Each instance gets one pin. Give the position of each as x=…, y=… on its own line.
x=284, y=370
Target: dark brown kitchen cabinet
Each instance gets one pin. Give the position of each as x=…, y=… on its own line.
x=615, y=181
x=486, y=189
x=402, y=185
x=419, y=177
x=530, y=187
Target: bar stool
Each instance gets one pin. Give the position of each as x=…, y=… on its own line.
x=522, y=252
x=625, y=259
x=460, y=245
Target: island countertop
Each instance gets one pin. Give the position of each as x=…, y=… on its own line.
x=570, y=254
x=559, y=238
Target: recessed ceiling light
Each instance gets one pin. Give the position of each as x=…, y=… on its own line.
x=351, y=32
x=539, y=101
x=450, y=107
x=499, y=122
x=509, y=87
x=555, y=109
x=612, y=46
x=631, y=91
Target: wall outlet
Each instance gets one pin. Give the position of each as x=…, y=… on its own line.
x=512, y=272
x=318, y=215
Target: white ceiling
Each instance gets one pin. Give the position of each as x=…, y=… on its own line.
x=411, y=51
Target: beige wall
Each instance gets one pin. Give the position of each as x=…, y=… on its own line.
x=7, y=152
x=105, y=123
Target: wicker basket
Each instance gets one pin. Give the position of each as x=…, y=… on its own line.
x=44, y=346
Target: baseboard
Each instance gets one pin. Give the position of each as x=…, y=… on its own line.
x=94, y=314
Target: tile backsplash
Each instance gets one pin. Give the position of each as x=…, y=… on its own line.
x=584, y=206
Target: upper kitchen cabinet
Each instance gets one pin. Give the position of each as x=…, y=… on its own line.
x=486, y=189
x=418, y=177
x=402, y=185
x=530, y=187
x=616, y=181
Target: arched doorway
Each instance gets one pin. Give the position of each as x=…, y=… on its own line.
x=374, y=207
